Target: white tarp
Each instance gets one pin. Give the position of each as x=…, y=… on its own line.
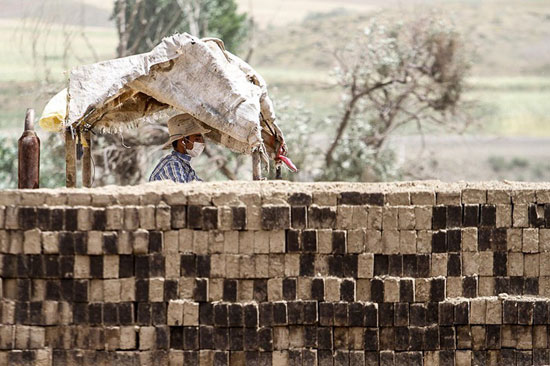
x=183, y=74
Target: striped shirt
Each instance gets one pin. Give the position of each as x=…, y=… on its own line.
x=175, y=167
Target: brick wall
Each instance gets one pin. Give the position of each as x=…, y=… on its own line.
x=276, y=274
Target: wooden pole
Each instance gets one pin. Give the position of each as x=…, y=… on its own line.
x=70, y=159
x=87, y=160
x=256, y=165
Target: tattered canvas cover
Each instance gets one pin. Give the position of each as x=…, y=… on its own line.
x=183, y=74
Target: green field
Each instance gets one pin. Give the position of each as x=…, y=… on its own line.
x=510, y=79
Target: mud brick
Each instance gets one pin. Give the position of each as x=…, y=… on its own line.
x=341, y=314
x=471, y=216
x=221, y=338
x=35, y=313
x=309, y=241
x=156, y=265
x=461, y=313
x=439, y=242
x=191, y=338
x=432, y=313
x=385, y=314
x=260, y=290
x=142, y=290
x=178, y=216
x=176, y=338
x=220, y=315
x=502, y=285
x=51, y=264
x=480, y=358
x=431, y=338
x=194, y=216
x=536, y=215
x=239, y=217
x=200, y=292
x=488, y=215
x=9, y=266
x=410, y=265
x=507, y=357
x=126, y=266
x=144, y=313
x=22, y=266
x=439, y=217
x=454, y=241
x=293, y=242
x=158, y=313
x=66, y=266
x=318, y=289
x=381, y=265
x=203, y=266
x=339, y=244
x=516, y=285
x=524, y=358
x=80, y=313
x=492, y=337
x=417, y=314
x=43, y=218
x=469, y=286
x=541, y=357
x=110, y=243
x=351, y=265
x=110, y=314
x=531, y=286
x=99, y=219
x=188, y=265
x=373, y=199
x=53, y=290
x=80, y=243
x=230, y=290
x=500, y=263
x=141, y=263
x=510, y=312
x=401, y=338
x=266, y=314
x=463, y=337
x=67, y=290
x=209, y=218
x=377, y=290
x=446, y=313
x=289, y=288
x=336, y=265
x=279, y=313
x=27, y=218
x=155, y=243
x=307, y=265
x=437, y=289
x=298, y=217
x=499, y=240
x=66, y=243
x=454, y=216
x=265, y=339
x=299, y=199
x=326, y=313
x=95, y=313
x=324, y=337
x=126, y=313
x=454, y=265
x=525, y=312
x=484, y=239
x=275, y=217
x=310, y=312
x=395, y=265
x=235, y=315
x=321, y=217
x=206, y=313
x=401, y=314
x=423, y=265
x=206, y=334
x=541, y=313
x=386, y=338
x=447, y=337
x=406, y=290
x=295, y=312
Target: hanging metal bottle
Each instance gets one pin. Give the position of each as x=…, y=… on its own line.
x=29, y=154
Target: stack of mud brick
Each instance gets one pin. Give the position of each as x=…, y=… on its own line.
x=306, y=277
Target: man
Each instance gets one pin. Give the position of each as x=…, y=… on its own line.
x=187, y=141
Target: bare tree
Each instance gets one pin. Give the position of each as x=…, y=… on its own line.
x=393, y=74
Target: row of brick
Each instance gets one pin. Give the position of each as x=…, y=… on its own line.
x=322, y=241
x=306, y=357
x=490, y=337
x=273, y=217
x=222, y=314
x=378, y=289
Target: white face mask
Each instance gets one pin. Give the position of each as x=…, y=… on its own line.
x=197, y=149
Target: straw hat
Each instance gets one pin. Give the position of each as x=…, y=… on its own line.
x=183, y=125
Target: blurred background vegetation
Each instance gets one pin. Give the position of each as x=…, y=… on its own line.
x=501, y=130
